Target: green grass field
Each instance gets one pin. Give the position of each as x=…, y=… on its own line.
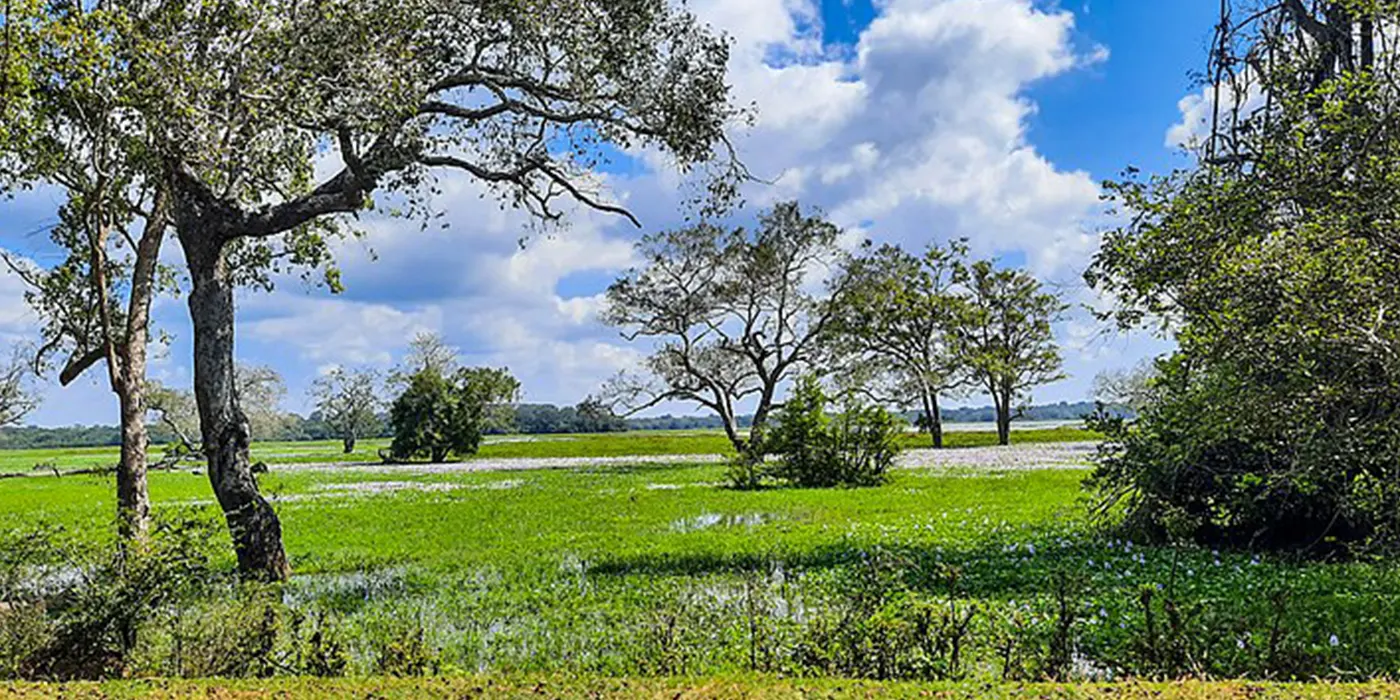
x=656, y=569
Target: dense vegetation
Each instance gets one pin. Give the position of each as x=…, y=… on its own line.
x=1272, y=263
x=1245, y=503
x=943, y=573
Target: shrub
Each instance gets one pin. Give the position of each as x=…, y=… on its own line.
x=1290, y=472
x=439, y=415
x=853, y=448
x=76, y=614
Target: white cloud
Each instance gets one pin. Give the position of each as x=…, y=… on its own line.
x=1198, y=111
x=336, y=331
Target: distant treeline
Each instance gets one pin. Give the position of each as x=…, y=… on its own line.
x=980, y=414
x=1049, y=412
x=530, y=419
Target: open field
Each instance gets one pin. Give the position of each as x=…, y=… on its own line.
x=631, y=567
x=697, y=689
x=661, y=442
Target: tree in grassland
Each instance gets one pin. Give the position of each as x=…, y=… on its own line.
x=349, y=403
x=65, y=98
x=174, y=408
x=893, y=334
x=426, y=352
x=438, y=415
x=1006, y=337
x=732, y=312
x=524, y=98
x=260, y=388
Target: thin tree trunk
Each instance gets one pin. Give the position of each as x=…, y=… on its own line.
x=133, y=494
x=935, y=424
x=256, y=531
x=933, y=418
x=349, y=442
x=1003, y=419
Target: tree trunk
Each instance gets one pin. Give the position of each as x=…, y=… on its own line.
x=1003, y=403
x=256, y=531
x=934, y=416
x=349, y=441
x=133, y=497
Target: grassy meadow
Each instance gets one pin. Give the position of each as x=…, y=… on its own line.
x=950, y=573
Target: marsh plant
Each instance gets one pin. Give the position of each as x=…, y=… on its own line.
x=815, y=449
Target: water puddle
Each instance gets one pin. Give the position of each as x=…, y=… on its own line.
x=706, y=521
x=378, y=487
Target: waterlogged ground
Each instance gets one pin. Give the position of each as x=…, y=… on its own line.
x=600, y=564
x=659, y=443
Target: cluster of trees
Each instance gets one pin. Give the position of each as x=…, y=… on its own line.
x=211, y=123
x=1274, y=263
x=736, y=314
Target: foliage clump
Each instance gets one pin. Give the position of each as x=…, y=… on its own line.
x=1273, y=265
x=439, y=414
x=855, y=447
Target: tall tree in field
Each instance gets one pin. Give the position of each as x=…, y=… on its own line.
x=1006, y=339
x=260, y=389
x=66, y=126
x=732, y=313
x=349, y=403
x=426, y=352
x=175, y=410
x=895, y=329
x=241, y=102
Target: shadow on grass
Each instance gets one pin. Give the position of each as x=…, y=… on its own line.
x=1032, y=563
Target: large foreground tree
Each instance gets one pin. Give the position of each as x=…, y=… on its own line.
x=244, y=104
x=1274, y=263
x=523, y=98
x=733, y=315
x=66, y=97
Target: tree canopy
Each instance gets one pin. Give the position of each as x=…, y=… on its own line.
x=732, y=312
x=1275, y=265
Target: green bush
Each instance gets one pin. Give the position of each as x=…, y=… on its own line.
x=439, y=415
x=814, y=450
x=1220, y=457
x=75, y=612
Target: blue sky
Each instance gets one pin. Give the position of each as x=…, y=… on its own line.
x=908, y=121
